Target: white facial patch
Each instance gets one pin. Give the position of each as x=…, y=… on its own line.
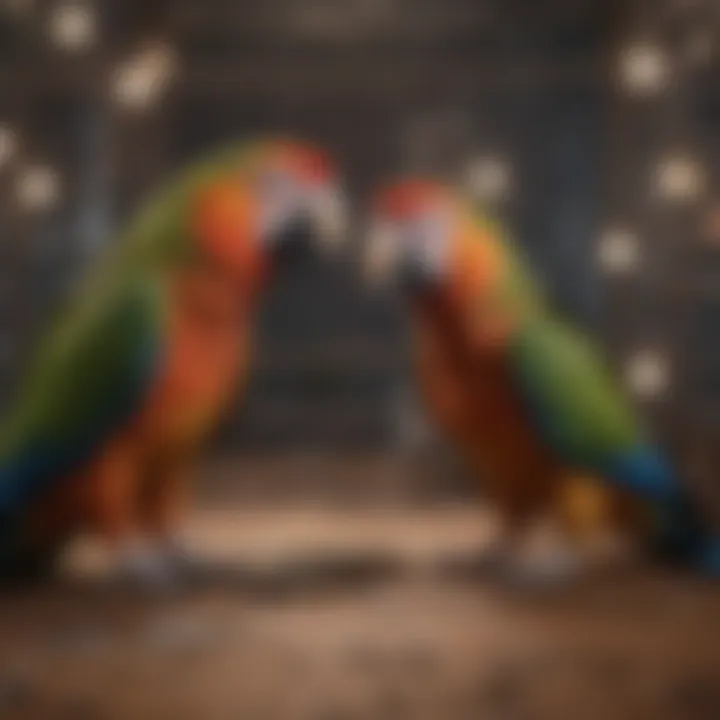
x=281, y=200
x=421, y=244
x=426, y=241
x=328, y=210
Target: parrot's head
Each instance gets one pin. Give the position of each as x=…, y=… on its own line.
x=284, y=197
x=415, y=229
x=430, y=239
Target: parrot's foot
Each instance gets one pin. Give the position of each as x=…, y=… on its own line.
x=540, y=556
x=146, y=567
x=495, y=558
x=549, y=569
x=179, y=556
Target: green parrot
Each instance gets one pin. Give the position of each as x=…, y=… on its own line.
x=527, y=397
x=140, y=366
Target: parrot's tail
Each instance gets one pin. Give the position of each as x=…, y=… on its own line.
x=22, y=561
x=679, y=532
x=682, y=536
x=709, y=560
x=24, y=558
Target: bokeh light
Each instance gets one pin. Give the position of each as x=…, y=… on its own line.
x=679, y=179
x=72, y=25
x=489, y=179
x=644, y=69
x=647, y=374
x=618, y=251
x=141, y=79
x=38, y=188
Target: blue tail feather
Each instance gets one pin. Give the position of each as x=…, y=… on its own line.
x=644, y=471
x=681, y=533
x=708, y=561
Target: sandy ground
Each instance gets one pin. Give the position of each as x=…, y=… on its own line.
x=359, y=615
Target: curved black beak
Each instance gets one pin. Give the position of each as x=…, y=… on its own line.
x=292, y=243
x=413, y=278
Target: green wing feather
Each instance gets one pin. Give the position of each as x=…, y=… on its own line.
x=90, y=377
x=572, y=393
x=579, y=409
x=94, y=367
x=116, y=312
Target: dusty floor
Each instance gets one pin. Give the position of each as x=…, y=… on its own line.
x=320, y=615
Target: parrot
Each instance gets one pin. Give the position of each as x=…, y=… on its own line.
x=146, y=356
x=529, y=400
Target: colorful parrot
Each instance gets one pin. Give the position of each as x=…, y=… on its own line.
x=153, y=349
x=529, y=399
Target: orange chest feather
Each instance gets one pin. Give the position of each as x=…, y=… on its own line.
x=474, y=398
x=202, y=364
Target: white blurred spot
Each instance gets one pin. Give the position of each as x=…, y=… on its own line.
x=647, y=374
x=679, y=179
x=37, y=188
x=644, y=69
x=8, y=144
x=618, y=251
x=489, y=179
x=73, y=25
x=141, y=79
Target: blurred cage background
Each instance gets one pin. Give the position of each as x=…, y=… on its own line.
x=590, y=127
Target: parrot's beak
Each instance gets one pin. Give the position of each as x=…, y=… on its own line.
x=292, y=242
x=387, y=262
x=320, y=221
